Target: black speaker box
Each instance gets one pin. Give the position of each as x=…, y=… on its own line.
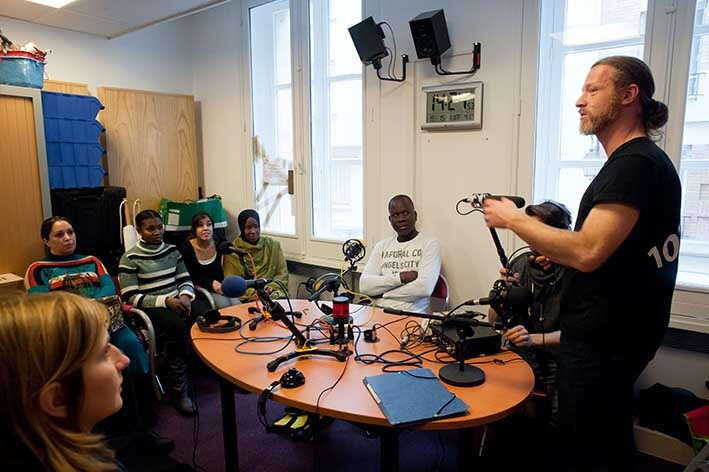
x=368, y=40
x=430, y=34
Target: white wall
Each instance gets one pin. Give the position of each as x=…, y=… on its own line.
x=398, y=153
x=219, y=75
x=156, y=59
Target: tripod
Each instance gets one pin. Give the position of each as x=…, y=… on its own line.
x=303, y=346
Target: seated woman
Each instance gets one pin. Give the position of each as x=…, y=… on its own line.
x=59, y=376
x=536, y=335
x=203, y=259
x=63, y=269
x=153, y=277
x=264, y=259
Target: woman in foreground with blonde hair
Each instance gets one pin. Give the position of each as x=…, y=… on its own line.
x=59, y=376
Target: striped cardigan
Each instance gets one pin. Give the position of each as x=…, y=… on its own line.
x=150, y=273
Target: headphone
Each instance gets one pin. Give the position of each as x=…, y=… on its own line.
x=292, y=378
x=207, y=320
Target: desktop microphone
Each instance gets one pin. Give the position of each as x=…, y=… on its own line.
x=234, y=286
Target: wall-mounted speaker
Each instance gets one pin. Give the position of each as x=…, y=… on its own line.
x=430, y=35
x=368, y=39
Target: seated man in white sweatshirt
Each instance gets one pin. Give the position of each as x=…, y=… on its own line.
x=402, y=270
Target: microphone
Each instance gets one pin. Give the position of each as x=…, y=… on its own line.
x=354, y=250
x=225, y=247
x=329, y=285
x=234, y=286
x=512, y=296
x=476, y=200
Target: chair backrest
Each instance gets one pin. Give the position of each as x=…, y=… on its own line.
x=440, y=290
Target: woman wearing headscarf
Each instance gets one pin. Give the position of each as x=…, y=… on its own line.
x=264, y=257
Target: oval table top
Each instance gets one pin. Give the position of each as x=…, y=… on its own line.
x=506, y=385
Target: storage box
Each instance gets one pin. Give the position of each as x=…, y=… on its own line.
x=11, y=283
x=21, y=68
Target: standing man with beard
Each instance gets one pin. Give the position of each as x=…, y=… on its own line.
x=403, y=270
x=622, y=260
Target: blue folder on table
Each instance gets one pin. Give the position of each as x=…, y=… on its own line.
x=413, y=396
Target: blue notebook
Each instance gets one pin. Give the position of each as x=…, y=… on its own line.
x=413, y=396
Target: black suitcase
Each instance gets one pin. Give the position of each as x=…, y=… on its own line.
x=94, y=214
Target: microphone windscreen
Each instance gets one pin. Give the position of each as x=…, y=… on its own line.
x=233, y=286
x=519, y=297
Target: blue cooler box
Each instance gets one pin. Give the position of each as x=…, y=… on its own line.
x=21, y=70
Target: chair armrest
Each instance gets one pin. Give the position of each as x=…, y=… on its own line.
x=205, y=293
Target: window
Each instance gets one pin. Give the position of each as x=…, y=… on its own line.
x=272, y=115
x=573, y=35
x=673, y=37
x=336, y=118
x=694, y=161
x=306, y=110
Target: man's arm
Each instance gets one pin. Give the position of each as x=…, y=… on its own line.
x=603, y=231
x=428, y=271
x=372, y=282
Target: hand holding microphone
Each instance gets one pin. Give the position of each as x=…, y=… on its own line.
x=500, y=212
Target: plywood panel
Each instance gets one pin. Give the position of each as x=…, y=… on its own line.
x=65, y=87
x=20, y=195
x=150, y=144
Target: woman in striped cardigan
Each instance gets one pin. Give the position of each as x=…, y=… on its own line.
x=153, y=278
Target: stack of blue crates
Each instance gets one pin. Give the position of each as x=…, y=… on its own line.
x=72, y=137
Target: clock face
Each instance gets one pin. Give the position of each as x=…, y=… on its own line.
x=450, y=106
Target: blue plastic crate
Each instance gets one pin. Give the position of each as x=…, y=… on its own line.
x=21, y=71
x=72, y=131
x=67, y=176
x=65, y=105
x=74, y=153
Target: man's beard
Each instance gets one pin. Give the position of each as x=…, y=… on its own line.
x=594, y=124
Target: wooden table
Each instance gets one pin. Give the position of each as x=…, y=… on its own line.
x=505, y=388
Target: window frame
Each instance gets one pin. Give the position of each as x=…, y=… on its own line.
x=302, y=246
x=669, y=32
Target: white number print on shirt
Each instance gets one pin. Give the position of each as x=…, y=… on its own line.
x=670, y=251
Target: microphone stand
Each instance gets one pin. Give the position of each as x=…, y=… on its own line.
x=304, y=347
x=253, y=324
x=459, y=374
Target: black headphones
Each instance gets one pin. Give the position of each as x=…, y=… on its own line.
x=207, y=320
x=292, y=378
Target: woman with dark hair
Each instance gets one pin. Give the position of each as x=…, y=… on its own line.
x=203, y=258
x=153, y=277
x=536, y=335
x=59, y=376
x=264, y=257
x=63, y=269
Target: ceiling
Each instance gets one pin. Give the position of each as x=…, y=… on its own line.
x=107, y=18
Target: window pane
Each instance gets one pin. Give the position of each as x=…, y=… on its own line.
x=336, y=121
x=272, y=115
x=573, y=35
x=694, y=160
x=571, y=180
x=573, y=144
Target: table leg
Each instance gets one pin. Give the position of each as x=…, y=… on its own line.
x=467, y=459
x=389, y=454
x=231, y=449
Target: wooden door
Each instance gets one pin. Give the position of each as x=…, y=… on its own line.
x=150, y=144
x=20, y=187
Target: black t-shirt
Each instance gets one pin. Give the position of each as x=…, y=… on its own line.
x=626, y=302
x=202, y=275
